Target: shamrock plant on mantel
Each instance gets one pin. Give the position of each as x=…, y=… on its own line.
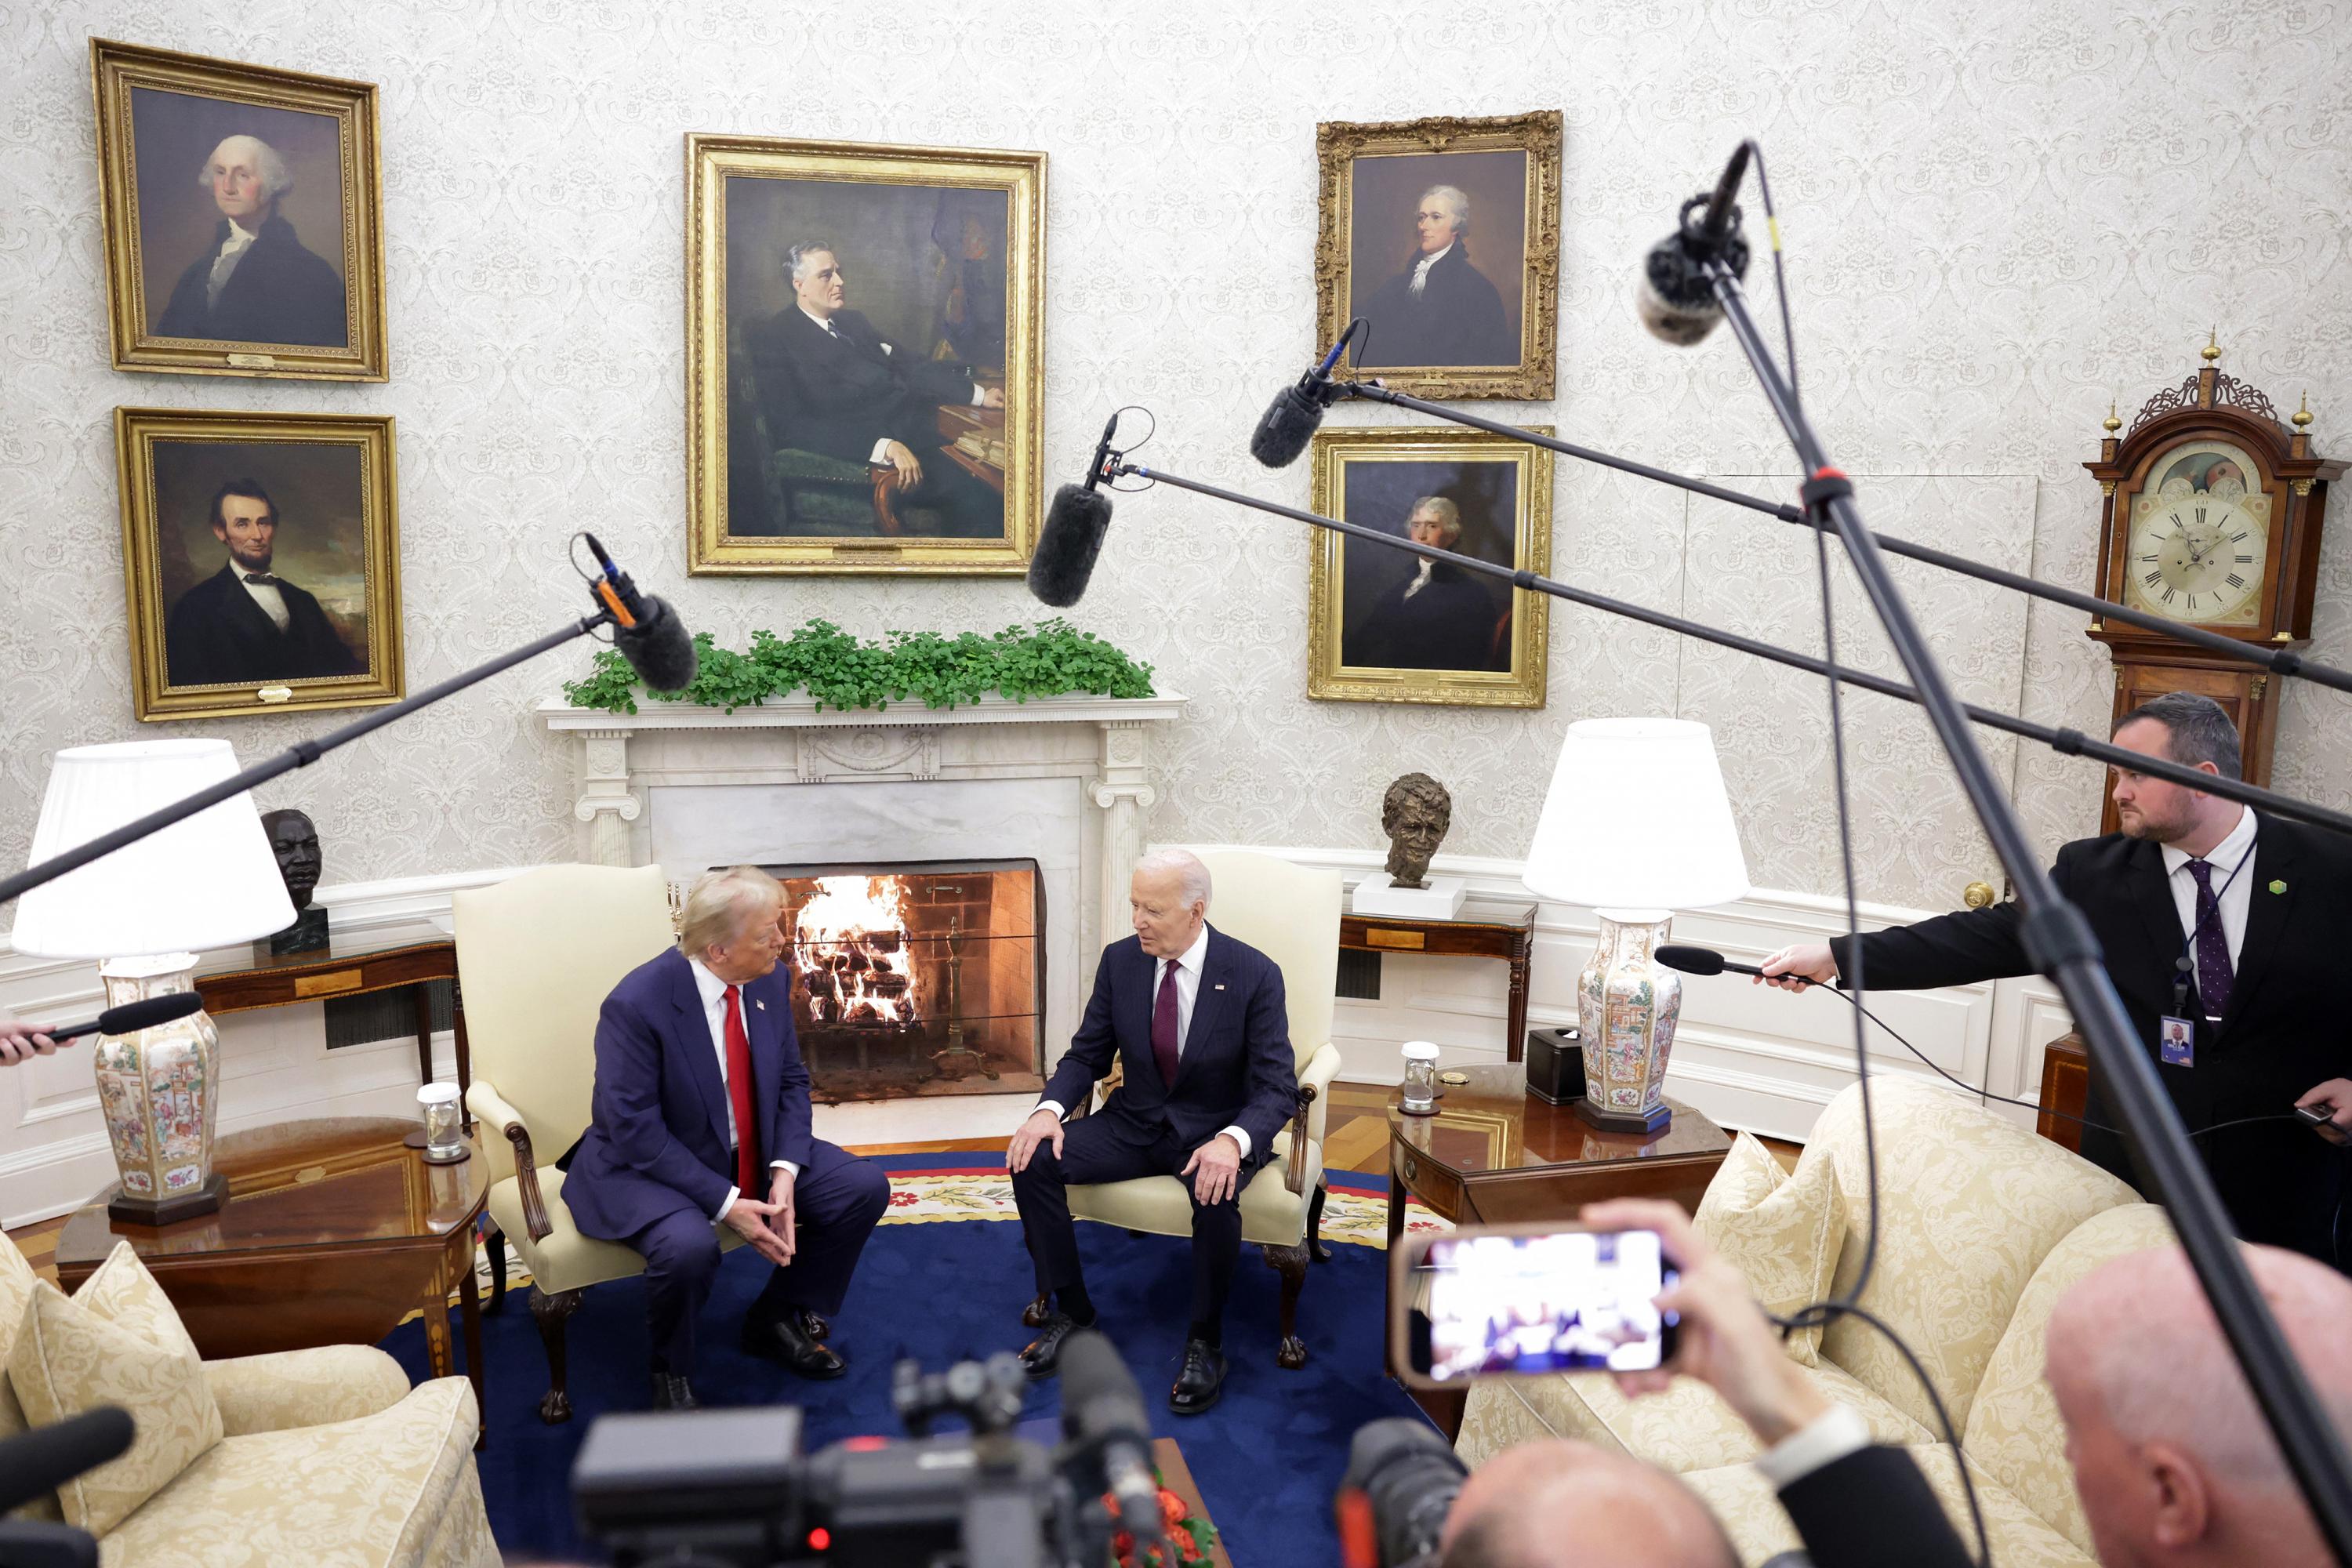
x=840, y=670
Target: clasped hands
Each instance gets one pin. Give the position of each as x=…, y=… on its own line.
x=768, y=1228
x=1215, y=1167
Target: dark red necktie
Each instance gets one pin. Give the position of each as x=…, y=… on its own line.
x=739, y=1095
x=1163, y=1028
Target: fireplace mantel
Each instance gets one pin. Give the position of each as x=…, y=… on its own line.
x=629, y=768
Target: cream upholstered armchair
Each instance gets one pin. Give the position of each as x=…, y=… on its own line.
x=1292, y=915
x=537, y=956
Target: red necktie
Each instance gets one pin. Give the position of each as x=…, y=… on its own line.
x=739, y=1095
x=1163, y=1028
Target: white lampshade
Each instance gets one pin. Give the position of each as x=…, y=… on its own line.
x=208, y=881
x=1637, y=819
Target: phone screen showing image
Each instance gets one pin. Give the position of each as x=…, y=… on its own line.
x=1567, y=1301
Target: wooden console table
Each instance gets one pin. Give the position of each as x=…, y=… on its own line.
x=2065, y=1089
x=349, y=965
x=1506, y=931
x=332, y=1232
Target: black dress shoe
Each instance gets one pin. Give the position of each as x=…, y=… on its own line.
x=1201, y=1381
x=1043, y=1355
x=674, y=1393
x=785, y=1341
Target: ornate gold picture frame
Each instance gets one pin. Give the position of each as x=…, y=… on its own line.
x=864, y=357
x=243, y=217
x=261, y=562
x=1443, y=235
x=1380, y=629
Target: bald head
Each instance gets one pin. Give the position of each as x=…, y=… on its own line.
x=1554, y=1504
x=2171, y=1458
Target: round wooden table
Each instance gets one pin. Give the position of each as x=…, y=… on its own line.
x=333, y=1231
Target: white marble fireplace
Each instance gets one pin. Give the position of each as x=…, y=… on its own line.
x=1063, y=781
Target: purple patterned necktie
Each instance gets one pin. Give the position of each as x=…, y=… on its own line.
x=1163, y=1027
x=2214, y=974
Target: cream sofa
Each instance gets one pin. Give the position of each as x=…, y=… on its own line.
x=1982, y=1226
x=329, y=1459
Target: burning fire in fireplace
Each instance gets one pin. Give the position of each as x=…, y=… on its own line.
x=850, y=952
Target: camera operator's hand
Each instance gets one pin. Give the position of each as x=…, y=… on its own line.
x=1043, y=1127
x=23, y=1042
x=1215, y=1168
x=1727, y=1342
x=1795, y=968
x=748, y=1217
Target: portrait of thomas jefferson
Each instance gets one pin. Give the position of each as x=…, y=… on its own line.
x=1432, y=614
x=1440, y=309
x=245, y=624
x=256, y=282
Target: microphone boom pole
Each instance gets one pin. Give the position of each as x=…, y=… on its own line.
x=301, y=754
x=2062, y=947
x=2278, y=661
x=2067, y=743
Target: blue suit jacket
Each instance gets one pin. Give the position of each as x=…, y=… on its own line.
x=658, y=1140
x=1236, y=1067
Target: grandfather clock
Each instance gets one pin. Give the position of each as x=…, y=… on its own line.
x=2211, y=515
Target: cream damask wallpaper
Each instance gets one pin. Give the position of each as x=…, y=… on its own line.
x=1998, y=216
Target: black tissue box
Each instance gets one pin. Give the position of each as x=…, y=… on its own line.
x=1555, y=1060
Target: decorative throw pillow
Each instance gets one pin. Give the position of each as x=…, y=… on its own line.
x=17, y=1282
x=1781, y=1231
x=117, y=1342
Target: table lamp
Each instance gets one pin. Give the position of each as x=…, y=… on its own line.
x=1636, y=826
x=146, y=911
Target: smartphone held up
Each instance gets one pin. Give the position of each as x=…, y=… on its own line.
x=1485, y=1301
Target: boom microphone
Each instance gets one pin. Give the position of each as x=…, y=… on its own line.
x=38, y=1462
x=1103, y=1409
x=647, y=631
x=1290, y=420
x=1073, y=534
x=1673, y=298
x=133, y=1017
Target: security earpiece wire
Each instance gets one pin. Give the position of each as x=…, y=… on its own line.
x=1849, y=1304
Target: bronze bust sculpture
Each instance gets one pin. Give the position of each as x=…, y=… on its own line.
x=294, y=841
x=1415, y=812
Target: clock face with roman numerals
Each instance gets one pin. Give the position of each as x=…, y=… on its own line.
x=2199, y=539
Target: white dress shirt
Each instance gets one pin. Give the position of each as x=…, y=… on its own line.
x=265, y=594
x=1187, y=964
x=1420, y=268
x=2234, y=899
x=1827, y=1439
x=232, y=251
x=713, y=991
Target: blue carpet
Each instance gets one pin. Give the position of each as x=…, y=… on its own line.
x=1267, y=1458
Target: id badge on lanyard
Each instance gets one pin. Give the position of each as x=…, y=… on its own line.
x=2176, y=1032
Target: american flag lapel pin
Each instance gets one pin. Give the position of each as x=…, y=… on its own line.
x=1220, y=985
x=762, y=1006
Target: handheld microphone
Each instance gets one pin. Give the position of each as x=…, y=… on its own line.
x=1102, y=1409
x=38, y=1462
x=1673, y=298
x=1707, y=961
x=1291, y=419
x=133, y=1017
x=1073, y=534
x=647, y=631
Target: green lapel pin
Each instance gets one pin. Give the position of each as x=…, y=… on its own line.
x=2278, y=887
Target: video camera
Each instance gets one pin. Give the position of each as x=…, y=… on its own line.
x=732, y=1486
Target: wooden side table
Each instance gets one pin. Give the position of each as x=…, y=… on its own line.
x=2065, y=1090
x=349, y=965
x=1496, y=1154
x=1503, y=931
x=332, y=1232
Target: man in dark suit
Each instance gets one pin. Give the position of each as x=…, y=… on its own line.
x=257, y=283
x=1440, y=309
x=2206, y=911
x=245, y=625
x=1439, y=617
x=702, y=1119
x=1198, y=1023
x=830, y=382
